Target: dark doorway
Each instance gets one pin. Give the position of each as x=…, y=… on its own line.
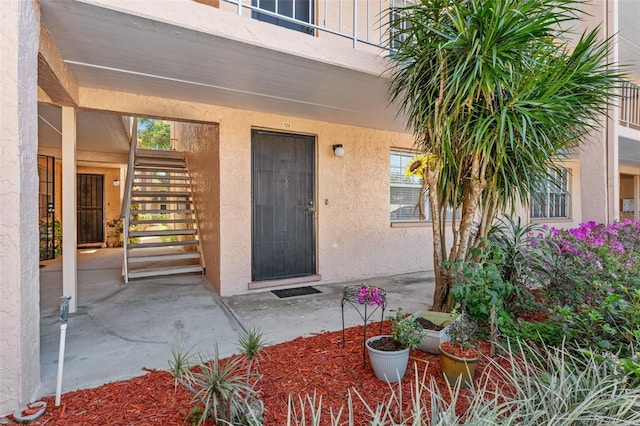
x=49, y=228
x=90, y=208
x=283, y=205
x=301, y=10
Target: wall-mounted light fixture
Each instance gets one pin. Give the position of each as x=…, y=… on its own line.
x=338, y=150
x=116, y=182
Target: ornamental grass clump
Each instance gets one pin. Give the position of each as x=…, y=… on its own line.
x=525, y=386
x=226, y=389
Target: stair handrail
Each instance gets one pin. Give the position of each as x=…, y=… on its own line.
x=126, y=198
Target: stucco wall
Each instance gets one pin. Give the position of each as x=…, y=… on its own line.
x=594, y=177
x=354, y=236
x=19, y=280
x=201, y=144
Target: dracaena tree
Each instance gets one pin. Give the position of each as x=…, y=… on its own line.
x=494, y=92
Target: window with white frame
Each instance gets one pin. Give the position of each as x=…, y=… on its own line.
x=405, y=191
x=552, y=201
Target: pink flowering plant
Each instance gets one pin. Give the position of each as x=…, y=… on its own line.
x=578, y=287
x=591, y=286
x=371, y=296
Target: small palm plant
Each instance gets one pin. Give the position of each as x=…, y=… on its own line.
x=223, y=387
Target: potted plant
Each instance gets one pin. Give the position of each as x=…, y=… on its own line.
x=389, y=354
x=458, y=358
x=435, y=327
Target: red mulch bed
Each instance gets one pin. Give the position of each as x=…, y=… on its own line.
x=299, y=367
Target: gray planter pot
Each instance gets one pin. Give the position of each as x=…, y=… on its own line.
x=389, y=366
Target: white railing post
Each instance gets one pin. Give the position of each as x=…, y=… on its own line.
x=126, y=198
x=355, y=24
x=630, y=104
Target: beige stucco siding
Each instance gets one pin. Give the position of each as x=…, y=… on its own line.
x=201, y=144
x=354, y=236
x=19, y=278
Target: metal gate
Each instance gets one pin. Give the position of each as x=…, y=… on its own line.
x=90, y=211
x=50, y=232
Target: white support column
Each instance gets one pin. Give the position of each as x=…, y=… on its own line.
x=613, y=158
x=69, y=225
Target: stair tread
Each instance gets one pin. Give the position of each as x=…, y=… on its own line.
x=166, y=211
x=160, y=193
x=150, y=168
x=152, y=272
x=163, y=232
x=161, y=184
x=159, y=221
x=137, y=246
x=160, y=177
x=161, y=257
x=159, y=153
x=164, y=163
x=184, y=201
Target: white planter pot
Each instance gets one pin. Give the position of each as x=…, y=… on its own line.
x=388, y=366
x=432, y=339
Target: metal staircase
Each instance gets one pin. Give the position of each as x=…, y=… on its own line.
x=161, y=236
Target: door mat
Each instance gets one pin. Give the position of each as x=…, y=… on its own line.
x=298, y=291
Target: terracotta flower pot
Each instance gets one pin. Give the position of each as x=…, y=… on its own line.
x=457, y=368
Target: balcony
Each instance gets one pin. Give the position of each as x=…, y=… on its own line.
x=361, y=23
x=630, y=106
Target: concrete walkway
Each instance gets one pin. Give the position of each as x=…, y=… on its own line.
x=120, y=329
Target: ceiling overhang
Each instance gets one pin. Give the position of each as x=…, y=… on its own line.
x=121, y=51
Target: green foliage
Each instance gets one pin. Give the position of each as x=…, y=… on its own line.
x=407, y=331
x=49, y=238
x=494, y=96
x=251, y=343
x=226, y=389
x=154, y=134
x=180, y=360
x=479, y=286
x=592, y=284
x=517, y=257
x=546, y=332
x=463, y=330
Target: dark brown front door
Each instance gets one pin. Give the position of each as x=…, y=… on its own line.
x=283, y=205
x=90, y=208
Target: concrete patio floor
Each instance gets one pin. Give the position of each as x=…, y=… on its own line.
x=119, y=329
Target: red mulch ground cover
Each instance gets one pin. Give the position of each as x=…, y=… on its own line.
x=299, y=367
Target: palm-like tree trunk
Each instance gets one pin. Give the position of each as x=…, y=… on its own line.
x=494, y=97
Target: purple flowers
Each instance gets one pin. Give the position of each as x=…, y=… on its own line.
x=370, y=295
x=614, y=239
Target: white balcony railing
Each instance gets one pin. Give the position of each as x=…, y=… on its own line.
x=630, y=105
x=364, y=23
